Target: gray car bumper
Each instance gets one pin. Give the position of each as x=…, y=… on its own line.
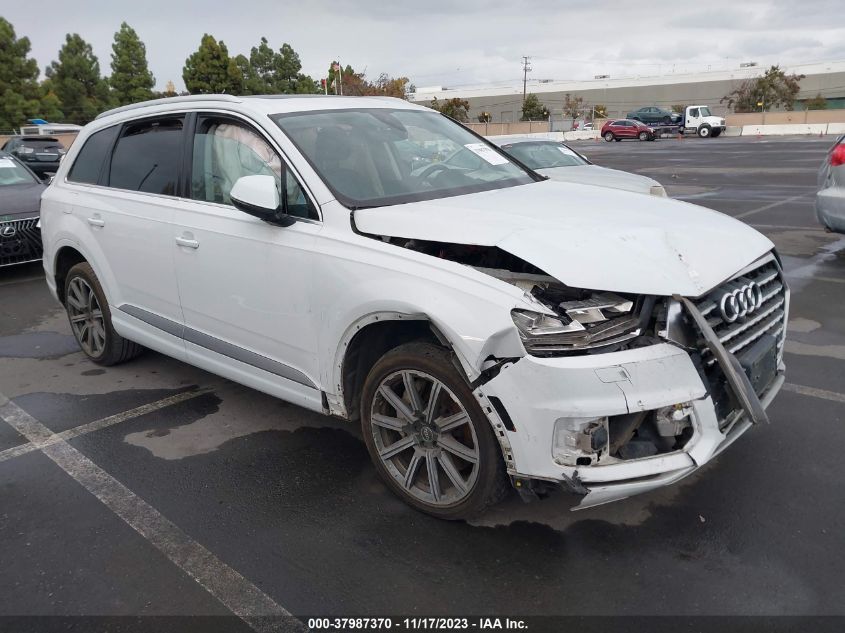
x=830, y=208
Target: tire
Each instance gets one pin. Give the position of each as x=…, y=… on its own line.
x=704, y=131
x=667, y=120
x=444, y=480
x=608, y=136
x=644, y=136
x=90, y=319
x=715, y=133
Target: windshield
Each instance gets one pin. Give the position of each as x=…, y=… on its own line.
x=11, y=173
x=372, y=157
x=705, y=111
x=539, y=155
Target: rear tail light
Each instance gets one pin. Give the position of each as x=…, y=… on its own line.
x=837, y=156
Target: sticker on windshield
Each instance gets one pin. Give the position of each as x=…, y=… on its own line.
x=567, y=151
x=487, y=153
x=7, y=163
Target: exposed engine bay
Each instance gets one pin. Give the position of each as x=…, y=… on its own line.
x=587, y=321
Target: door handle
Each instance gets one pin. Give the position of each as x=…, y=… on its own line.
x=184, y=241
x=95, y=221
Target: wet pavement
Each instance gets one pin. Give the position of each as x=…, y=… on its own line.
x=287, y=502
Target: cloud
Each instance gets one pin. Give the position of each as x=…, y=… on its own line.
x=449, y=42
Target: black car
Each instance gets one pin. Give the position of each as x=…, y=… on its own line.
x=653, y=114
x=20, y=203
x=40, y=153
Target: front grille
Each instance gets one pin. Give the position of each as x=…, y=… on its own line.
x=768, y=317
x=20, y=241
x=740, y=334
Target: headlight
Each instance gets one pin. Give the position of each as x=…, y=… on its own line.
x=658, y=190
x=602, y=319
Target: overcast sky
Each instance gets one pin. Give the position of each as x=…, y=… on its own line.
x=455, y=42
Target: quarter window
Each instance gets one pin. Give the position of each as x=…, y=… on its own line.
x=147, y=157
x=89, y=162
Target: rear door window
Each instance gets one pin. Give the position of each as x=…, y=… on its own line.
x=89, y=162
x=147, y=156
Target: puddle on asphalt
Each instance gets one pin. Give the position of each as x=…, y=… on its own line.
x=217, y=421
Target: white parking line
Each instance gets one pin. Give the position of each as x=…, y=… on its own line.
x=234, y=591
x=824, y=394
x=102, y=423
x=766, y=207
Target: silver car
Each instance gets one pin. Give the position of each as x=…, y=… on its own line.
x=558, y=161
x=830, y=200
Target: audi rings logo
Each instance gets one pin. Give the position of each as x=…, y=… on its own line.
x=8, y=231
x=740, y=302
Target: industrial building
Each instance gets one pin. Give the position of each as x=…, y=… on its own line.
x=621, y=95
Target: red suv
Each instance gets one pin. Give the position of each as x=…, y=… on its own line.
x=626, y=128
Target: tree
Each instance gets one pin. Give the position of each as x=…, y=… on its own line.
x=455, y=108
x=572, y=106
x=266, y=71
x=773, y=90
x=357, y=85
x=75, y=79
x=131, y=80
x=816, y=103
x=599, y=111
x=680, y=108
x=485, y=117
x=533, y=109
x=210, y=70
x=21, y=97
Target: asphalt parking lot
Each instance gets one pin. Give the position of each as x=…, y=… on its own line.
x=153, y=488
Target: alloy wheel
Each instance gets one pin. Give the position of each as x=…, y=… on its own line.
x=86, y=317
x=424, y=438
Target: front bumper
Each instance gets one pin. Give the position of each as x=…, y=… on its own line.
x=830, y=208
x=538, y=391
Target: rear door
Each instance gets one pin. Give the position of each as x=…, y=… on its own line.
x=128, y=214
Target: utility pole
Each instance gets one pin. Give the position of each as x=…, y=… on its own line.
x=525, y=70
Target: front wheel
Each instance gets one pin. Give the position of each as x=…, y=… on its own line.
x=704, y=131
x=427, y=435
x=90, y=319
x=608, y=136
x=644, y=136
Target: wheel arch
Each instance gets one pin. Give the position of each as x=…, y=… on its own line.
x=367, y=340
x=66, y=258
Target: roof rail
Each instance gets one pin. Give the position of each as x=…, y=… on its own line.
x=166, y=100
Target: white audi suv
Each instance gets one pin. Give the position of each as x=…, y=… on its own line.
x=374, y=260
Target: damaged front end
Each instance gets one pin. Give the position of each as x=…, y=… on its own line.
x=625, y=394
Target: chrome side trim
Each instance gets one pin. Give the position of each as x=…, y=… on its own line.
x=219, y=346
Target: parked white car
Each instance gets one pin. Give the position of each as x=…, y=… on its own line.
x=560, y=162
x=482, y=324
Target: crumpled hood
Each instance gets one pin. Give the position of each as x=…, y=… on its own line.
x=585, y=236
x=20, y=201
x=601, y=176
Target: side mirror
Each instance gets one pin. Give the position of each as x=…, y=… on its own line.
x=258, y=196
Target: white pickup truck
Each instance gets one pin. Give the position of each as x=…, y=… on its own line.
x=699, y=120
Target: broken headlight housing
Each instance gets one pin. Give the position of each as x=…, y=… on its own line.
x=599, y=319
